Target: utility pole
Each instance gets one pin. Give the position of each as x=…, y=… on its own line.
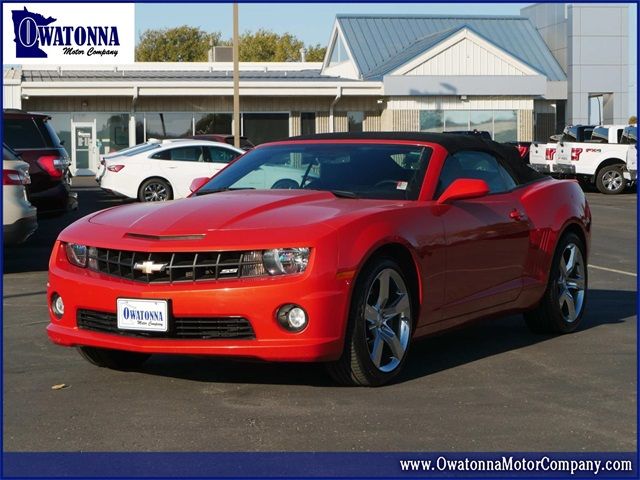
x=236, y=79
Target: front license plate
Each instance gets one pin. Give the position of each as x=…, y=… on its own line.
x=146, y=315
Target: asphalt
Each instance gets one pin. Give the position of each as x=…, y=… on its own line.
x=492, y=386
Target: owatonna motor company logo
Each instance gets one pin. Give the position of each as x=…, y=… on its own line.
x=36, y=35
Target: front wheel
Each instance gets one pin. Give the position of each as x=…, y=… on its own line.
x=610, y=180
x=379, y=327
x=114, y=359
x=562, y=306
x=285, y=184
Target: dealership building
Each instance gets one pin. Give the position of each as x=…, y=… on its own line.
x=518, y=77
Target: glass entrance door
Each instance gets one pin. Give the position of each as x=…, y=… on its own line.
x=84, y=154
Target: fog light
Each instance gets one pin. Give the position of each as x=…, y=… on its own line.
x=292, y=317
x=57, y=305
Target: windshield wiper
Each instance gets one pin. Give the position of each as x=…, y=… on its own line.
x=344, y=194
x=222, y=189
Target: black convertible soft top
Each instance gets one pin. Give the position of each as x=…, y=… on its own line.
x=508, y=154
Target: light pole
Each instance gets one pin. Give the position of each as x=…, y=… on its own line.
x=236, y=79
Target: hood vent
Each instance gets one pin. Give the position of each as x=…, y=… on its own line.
x=142, y=236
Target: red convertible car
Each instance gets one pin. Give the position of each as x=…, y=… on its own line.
x=378, y=239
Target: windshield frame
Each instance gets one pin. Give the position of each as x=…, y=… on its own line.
x=426, y=148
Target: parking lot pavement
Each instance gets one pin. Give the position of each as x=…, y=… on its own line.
x=490, y=387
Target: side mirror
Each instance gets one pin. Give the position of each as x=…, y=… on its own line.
x=462, y=189
x=197, y=183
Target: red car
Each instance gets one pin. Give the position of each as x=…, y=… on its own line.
x=378, y=238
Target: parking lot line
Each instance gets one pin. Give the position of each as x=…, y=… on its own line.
x=622, y=272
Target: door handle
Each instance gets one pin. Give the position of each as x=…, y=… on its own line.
x=517, y=215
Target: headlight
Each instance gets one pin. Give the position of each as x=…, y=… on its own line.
x=280, y=261
x=76, y=254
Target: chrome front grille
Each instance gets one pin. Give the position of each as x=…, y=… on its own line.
x=159, y=267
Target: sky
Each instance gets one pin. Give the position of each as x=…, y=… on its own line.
x=312, y=22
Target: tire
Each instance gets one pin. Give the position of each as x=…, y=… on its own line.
x=373, y=343
x=114, y=359
x=610, y=181
x=155, y=190
x=285, y=184
x=565, y=289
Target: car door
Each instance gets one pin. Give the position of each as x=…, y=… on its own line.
x=180, y=165
x=487, y=238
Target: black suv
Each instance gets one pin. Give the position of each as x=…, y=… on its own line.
x=31, y=136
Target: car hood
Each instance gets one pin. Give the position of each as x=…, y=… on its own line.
x=238, y=210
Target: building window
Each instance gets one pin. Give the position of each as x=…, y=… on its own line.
x=431, y=121
x=501, y=124
x=112, y=130
x=456, y=120
x=505, y=125
x=308, y=123
x=356, y=120
x=338, y=53
x=61, y=123
x=213, y=123
x=265, y=127
x=169, y=125
x=481, y=120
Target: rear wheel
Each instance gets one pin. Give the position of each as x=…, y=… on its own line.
x=114, y=359
x=379, y=327
x=562, y=306
x=610, y=180
x=155, y=190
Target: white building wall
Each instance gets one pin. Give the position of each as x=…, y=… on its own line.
x=598, y=41
x=551, y=21
x=11, y=89
x=591, y=43
x=466, y=58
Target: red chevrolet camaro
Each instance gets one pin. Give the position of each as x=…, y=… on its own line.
x=335, y=248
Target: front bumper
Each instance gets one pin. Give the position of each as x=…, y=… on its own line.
x=323, y=296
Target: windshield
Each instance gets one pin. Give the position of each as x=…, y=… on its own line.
x=130, y=151
x=381, y=171
x=600, y=135
x=8, y=154
x=630, y=136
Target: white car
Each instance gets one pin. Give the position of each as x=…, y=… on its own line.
x=158, y=171
x=19, y=216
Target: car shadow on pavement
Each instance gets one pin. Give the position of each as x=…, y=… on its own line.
x=434, y=354
x=495, y=336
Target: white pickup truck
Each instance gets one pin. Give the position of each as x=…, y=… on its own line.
x=630, y=137
x=601, y=160
x=542, y=156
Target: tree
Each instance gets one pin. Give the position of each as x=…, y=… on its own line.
x=190, y=44
x=179, y=44
x=315, y=53
x=267, y=46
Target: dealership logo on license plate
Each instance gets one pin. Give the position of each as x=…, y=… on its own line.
x=145, y=315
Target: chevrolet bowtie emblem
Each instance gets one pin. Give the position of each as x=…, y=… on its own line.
x=149, y=267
